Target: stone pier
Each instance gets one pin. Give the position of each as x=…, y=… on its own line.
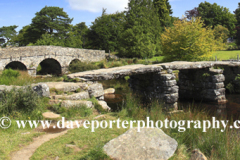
x=161, y=86
x=202, y=85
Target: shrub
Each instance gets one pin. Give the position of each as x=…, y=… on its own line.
x=188, y=41
x=8, y=76
x=23, y=100
x=10, y=73
x=81, y=66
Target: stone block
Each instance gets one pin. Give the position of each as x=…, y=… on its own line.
x=169, y=83
x=96, y=90
x=78, y=96
x=218, y=78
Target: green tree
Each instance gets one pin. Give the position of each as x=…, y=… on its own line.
x=141, y=30
x=188, y=41
x=221, y=33
x=47, y=39
x=25, y=36
x=82, y=30
x=163, y=9
x=237, y=15
x=213, y=15
x=7, y=34
x=51, y=20
x=105, y=31
x=72, y=39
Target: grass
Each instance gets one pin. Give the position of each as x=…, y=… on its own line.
x=225, y=55
x=89, y=143
x=13, y=139
x=22, y=78
x=156, y=58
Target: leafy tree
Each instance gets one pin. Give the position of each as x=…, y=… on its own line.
x=25, y=36
x=213, y=15
x=47, y=39
x=221, y=33
x=188, y=41
x=72, y=39
x=105, y=31
x=237, y=15
x=141, y=34
x=7, y=33
x=163, y=9
x=51, y=20
x=192, y=13
x=82, y=30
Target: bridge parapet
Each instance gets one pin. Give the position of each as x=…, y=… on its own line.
x=33, y=51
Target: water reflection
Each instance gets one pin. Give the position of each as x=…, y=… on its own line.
x=230, y=110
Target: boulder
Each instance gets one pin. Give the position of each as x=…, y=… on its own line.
x=42, y=89
x=104, y=105
x=96, y=90
x=197, y=155
x=149, y=143
x=109, y=91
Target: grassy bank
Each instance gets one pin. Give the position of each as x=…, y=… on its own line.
x=213, y=143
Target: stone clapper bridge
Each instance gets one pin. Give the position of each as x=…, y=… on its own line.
x=196, y=80
x=53, y=59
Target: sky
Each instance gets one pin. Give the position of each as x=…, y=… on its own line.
x=21, y=12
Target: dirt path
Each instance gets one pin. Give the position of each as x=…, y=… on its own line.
x=26, y=152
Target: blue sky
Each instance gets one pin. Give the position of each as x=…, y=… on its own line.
x=21, y=12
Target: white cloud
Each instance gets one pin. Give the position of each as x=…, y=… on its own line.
x=97, y=5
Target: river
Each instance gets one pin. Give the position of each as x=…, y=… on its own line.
x=230, y=110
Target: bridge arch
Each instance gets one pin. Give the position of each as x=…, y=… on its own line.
x=16, y=65
x=49, y=66
x=73, y=61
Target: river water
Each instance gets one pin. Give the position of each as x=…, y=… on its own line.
x=230, y=110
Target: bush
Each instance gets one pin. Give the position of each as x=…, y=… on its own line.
x=78, y=66
x=24, y=101
x=10, y=73
x=189, y=41
x=8, y=76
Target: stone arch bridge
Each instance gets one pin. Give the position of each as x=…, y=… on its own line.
x=54, y=57
x=204, y=81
